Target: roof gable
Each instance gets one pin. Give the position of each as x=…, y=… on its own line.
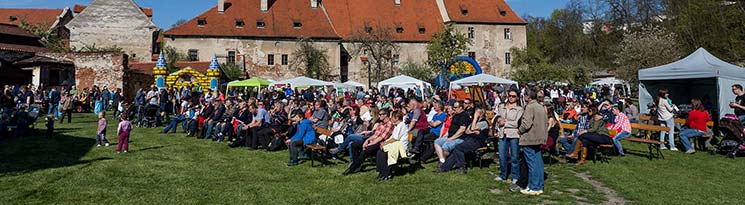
x=279, y=21
x=111, y=13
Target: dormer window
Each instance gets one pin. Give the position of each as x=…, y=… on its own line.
x=239, y=23
x=12, y=18
x=297, y=24
x=368, y=29
x=464, y=10
x=201, y=22
x=399, y=29
x=260, y=24
x=503, y=13
x=422, y=30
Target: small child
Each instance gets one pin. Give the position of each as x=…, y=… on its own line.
x=125, y=126
x=50, y=126
x=101, y=131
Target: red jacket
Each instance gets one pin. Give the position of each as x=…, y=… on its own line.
x=697, y=120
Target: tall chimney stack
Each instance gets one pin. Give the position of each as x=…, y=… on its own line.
x=264, y=5
x=220, y=6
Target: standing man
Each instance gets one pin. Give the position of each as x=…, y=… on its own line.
x=533, y=133
x=54, y=99
x=139, y=102
x=739, y=104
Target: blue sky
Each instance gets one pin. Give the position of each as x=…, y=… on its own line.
x=167, y=12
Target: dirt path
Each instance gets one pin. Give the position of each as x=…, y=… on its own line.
x=612, y=195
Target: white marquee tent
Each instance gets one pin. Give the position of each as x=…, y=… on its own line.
x=403, y=82
x=303, y=81
x=355, y=84
x=612, y=81
x=699, y=75
x=482, y=79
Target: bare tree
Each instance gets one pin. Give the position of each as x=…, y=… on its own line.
x=378, y=46
x=314, y=61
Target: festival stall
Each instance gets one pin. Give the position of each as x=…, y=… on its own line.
x=403, y=82
x=186, y=76
x=700, y=75
x=302, y=81
x=615, y=83
x=471, y=87
x=253, y=82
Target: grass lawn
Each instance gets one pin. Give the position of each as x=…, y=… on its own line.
x=173, y=169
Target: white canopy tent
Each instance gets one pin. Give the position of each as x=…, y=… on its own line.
x=303, y=81
x=355, y=84
x=699, y=75
x=403, y=82
x=614, y=82
x=482, y=79
x=339, y=85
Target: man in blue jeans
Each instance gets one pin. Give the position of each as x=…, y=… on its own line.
x=533, y=133
x=582, y=124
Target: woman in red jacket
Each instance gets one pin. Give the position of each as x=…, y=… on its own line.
x=696, y=124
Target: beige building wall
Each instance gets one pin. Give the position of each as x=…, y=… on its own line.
x=408, y=52
x=256, y=52
x=490, y=46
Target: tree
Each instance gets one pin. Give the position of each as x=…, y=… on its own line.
x=172, y=56
x=718, y=26
x=529, y=66
x=442, y=50
x=378, y=46
x=232, y=71
x=649, y=47
x=417, y=70
x=313, y=60
x=48, y=37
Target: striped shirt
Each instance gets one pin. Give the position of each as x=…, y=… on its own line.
x=622, y=123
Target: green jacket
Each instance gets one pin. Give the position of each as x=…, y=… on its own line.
x=598, y=126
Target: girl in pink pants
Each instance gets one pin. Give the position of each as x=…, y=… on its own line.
x=125, y=127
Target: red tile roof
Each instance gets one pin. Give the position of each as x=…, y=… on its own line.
x=14, y=30
x=349, y=16
x=79, y=8
x=147, y=67
x=482, y=11
x=279, y=21
x=45, y=17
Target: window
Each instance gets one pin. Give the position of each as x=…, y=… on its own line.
x=471, y=33
x=12, y=18
x=239, y=23
x=507, y=34
x=464, y=11
x=270, y=59
x=297, y=25
x=422, y=30
x=201, y=22
x=472, y=55
x=284, y=59
x=502, y=13
x=399, y=30
x=507, y=58
x=193, y=55
x=397, y=2
x=260, y=24
x=368, y=29
x=395, y=59
x=231, y=56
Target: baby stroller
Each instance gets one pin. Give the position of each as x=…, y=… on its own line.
x=733, y=132
x=150, y=115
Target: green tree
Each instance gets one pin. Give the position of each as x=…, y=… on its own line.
x=48, y=37
x=718, y=26
x=172, y=56
x=442, y=50
x=313, y=60
x=649, y=47
x=417, y=70
x=232, y=71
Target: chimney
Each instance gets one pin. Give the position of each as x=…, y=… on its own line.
x=220, y=6
x=264, y=5
x=314, y=4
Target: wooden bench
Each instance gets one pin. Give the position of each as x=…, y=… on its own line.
x=653, y=145
x=316, y=148
x=677, y=120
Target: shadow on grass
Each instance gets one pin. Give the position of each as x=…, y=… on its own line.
x=28, y=154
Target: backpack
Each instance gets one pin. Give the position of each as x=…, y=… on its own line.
x=277, y=143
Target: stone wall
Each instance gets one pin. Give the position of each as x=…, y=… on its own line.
x=256, y=52
x=101, y=69
x=490, y=45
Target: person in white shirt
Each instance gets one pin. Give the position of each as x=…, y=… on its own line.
x=393, y=148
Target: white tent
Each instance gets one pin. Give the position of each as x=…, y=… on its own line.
x=339, y=85
x=303, y=81
x=355, y=84
x=403, y=82
x=699, y=75
x=482, y=79
x=614, y=82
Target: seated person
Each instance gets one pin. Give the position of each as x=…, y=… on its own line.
x=304, y=135
x=474, y=137
x=569, y=115
x=696, y=125
x=240, y=119
x=393, y=148
x=278, y=125
x=583, y=121
x=594, y=136
x=623, y=126
x=225, y=126
x=370, y=146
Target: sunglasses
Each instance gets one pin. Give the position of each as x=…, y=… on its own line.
x=467, y=103
x=513, y=96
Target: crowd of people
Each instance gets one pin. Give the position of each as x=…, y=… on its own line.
x=520, y=122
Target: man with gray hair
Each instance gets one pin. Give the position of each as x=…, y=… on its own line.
x=533, y=133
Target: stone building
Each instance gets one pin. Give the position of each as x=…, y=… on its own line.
x=115, y=23
x=262, y=33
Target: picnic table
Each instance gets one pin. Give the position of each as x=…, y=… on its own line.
x=653, y=145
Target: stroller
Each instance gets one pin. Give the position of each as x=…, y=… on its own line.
x=151, y=116
x=733, y=131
